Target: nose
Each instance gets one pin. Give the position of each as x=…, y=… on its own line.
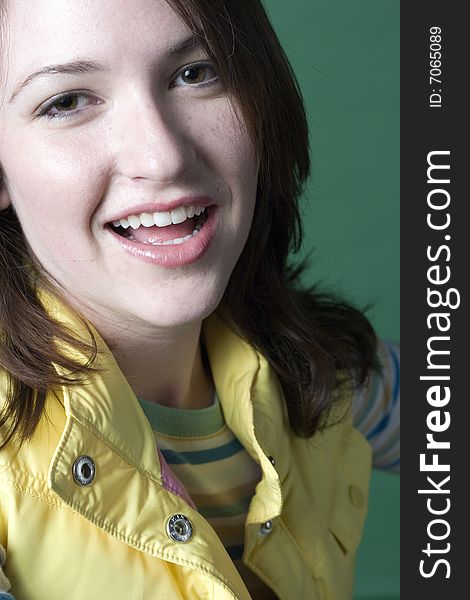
x=149, y=141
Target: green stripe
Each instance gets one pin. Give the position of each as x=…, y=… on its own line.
x=199, y=457
x=229, y=510
x=184, y=423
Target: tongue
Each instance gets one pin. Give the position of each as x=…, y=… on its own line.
x=155, y=234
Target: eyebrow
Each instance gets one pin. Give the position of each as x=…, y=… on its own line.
x=77, y=67
x=71, y=68
x=185, y=45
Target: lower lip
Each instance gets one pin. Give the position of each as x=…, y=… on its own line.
x=173, y=255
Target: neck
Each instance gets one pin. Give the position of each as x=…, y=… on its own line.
x=166, y=365
x=167, y=369
x=162, y=365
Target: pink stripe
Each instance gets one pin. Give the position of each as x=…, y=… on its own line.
x=172, y=483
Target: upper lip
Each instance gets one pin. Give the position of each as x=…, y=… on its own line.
x=169, y=205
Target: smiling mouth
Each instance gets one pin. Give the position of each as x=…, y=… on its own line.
x=162, y=228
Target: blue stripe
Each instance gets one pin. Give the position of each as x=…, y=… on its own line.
x=382, y=424
x=235, y=552
x=379, y=427
x=200, y=457
x=391, y=465
x=396, y=365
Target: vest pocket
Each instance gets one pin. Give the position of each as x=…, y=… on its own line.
x=350, y=494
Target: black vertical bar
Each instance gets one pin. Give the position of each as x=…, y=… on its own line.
x=435, y=259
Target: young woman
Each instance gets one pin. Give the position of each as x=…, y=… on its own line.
x=175, y=408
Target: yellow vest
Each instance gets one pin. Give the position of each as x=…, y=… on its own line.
x=111, y=539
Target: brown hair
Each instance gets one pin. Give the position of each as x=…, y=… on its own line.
x=307, y=337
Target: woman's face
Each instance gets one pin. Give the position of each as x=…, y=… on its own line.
x=109, y=111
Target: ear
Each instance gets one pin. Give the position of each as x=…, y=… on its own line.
x=4, y=195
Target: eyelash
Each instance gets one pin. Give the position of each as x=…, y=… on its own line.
x=44, y=111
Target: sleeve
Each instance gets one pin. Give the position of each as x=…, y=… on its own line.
x=376, y=409
x=4, y=583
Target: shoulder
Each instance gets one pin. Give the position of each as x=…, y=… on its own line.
x=376, y=408
x=25, y=466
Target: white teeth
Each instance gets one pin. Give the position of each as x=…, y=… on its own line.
x=178, y=215
x=160, y=219
x=175, y=242
x=147, y=220
x=134, y=221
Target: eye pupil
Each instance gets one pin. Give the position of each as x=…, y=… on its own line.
x=67, y=103
x=194, y=74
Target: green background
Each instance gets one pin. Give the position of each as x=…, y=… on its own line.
x=345, y=54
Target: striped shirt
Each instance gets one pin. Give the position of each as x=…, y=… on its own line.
x=376, y=409
x=218, y=473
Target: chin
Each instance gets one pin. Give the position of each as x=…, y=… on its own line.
x=179, y=314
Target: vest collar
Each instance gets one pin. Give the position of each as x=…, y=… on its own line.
x=254, y=409
x=248, y=390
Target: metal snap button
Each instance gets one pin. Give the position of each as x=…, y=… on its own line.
x=84, y=470
x=266, y=528
x=272, y=460
x=356, y=496
x=179, y=528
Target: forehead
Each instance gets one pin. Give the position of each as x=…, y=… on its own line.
x=51, y=31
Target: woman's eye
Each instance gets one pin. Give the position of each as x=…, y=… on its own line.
x=200, y=74
x=65, y=105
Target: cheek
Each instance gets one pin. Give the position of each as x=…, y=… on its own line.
x=242, y=174
x=241, y=165
x=50, y=183
x=237, y=162
x=220, y=135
